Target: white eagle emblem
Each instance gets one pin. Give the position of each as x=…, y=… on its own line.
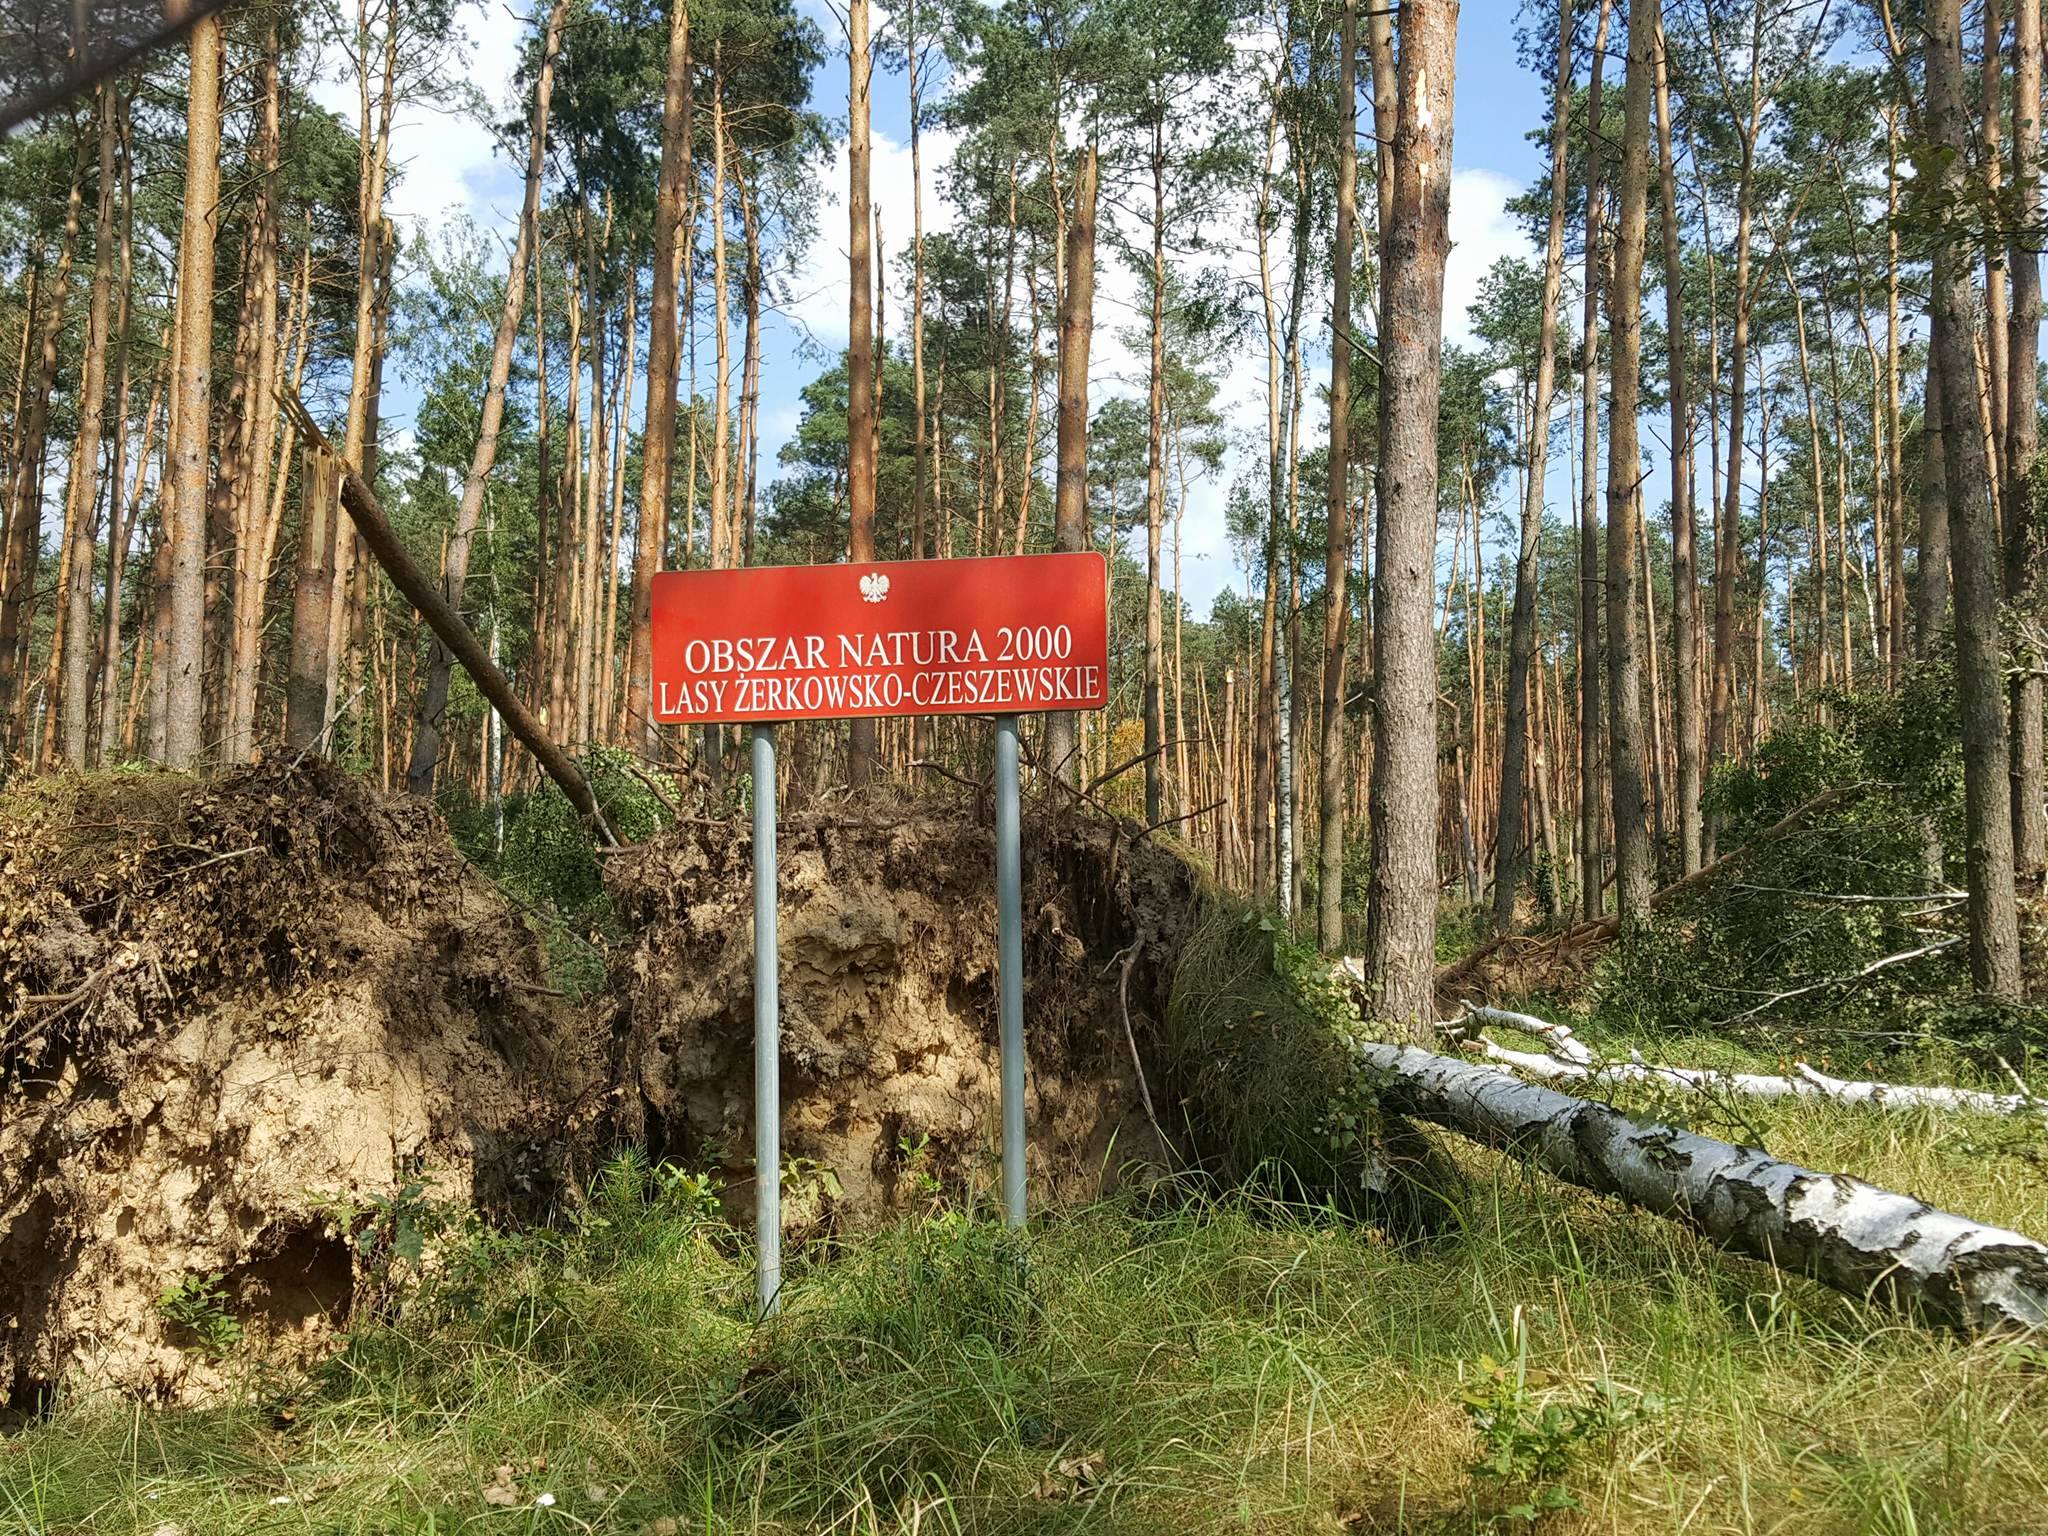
x=874, y=587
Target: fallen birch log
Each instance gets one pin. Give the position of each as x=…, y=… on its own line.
x=1803, y=1082
x=1838, y=1230
x=1559, y=1037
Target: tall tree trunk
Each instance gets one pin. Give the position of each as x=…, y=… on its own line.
x=1401, y=913
x=1685, y=577
x=1337, y=547
x=2026, y=546
x=860, y=347
x=1991, y=74
x=1258, y=702
x=1508, y=864
x=374, y=249
x=1987, y=804
x=433, y=701
x=252, y=544
x=1635, y=859
x=1155, y=483
x=1070, y=491
x=1895, y=491
x=85, y=455
x=191, y=400
x=1728, y=530
x=659, y=435
x=1592, y=839
x=23, y=555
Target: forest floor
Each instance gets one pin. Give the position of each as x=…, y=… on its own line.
x=1161, y=1362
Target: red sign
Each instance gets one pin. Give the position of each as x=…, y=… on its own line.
x=894, y=637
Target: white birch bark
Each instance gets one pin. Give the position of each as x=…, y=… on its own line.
x=1838, y=1230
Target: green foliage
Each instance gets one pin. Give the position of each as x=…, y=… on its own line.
x=196, y=1308
x=1254, y=1054
x=1534, y=1438
x=549, y=861
x=1801, y=917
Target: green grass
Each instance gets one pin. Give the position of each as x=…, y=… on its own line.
x=1234, y=1365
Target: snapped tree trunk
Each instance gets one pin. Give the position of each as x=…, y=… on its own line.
x=424, y=593
x=433, y=703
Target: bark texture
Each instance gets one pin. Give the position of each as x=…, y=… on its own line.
x=1635, y=872
x=1838, y=1230
x=1337, y=549
x=1401, y=908
x=1980, y=677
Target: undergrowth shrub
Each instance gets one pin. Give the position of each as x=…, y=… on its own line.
x=1789, y=931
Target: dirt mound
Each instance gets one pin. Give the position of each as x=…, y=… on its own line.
x=889, y=1065
x=232, y=1015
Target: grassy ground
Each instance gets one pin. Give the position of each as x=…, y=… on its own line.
x=1177, y=1364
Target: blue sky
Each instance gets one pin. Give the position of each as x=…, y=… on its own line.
x=450, y=167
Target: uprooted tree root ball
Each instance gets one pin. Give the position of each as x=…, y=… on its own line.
x=232, y=1015
x=888, y=933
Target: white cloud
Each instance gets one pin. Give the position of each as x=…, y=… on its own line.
x=1482, y=231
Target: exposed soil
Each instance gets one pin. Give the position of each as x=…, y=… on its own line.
x=888, y=986
x=228, y=1015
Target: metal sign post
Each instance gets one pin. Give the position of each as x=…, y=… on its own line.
x=767, y=1035
x=1010, y=967
x=764, y=645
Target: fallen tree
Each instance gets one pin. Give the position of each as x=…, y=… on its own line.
x=1569, y=1060
x=1466, y=972
x=425, y=594
x=1803, y=1082
x=1838, y=1230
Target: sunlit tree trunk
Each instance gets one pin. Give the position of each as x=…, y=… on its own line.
x=1592, y=839
x=253, y=542
x=1635, y=863
x=1155, y=482
x=1070, y=491
x=1685, y=579
x=1337, y=546
x=860, y=346
x=659, y=435
x=2026, y=536
x=18, y=570
x=191, y=404
x=85, y=455
x=1508, y=858
x=1401, y=918
x=1728, y=532
x=1987, y=805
